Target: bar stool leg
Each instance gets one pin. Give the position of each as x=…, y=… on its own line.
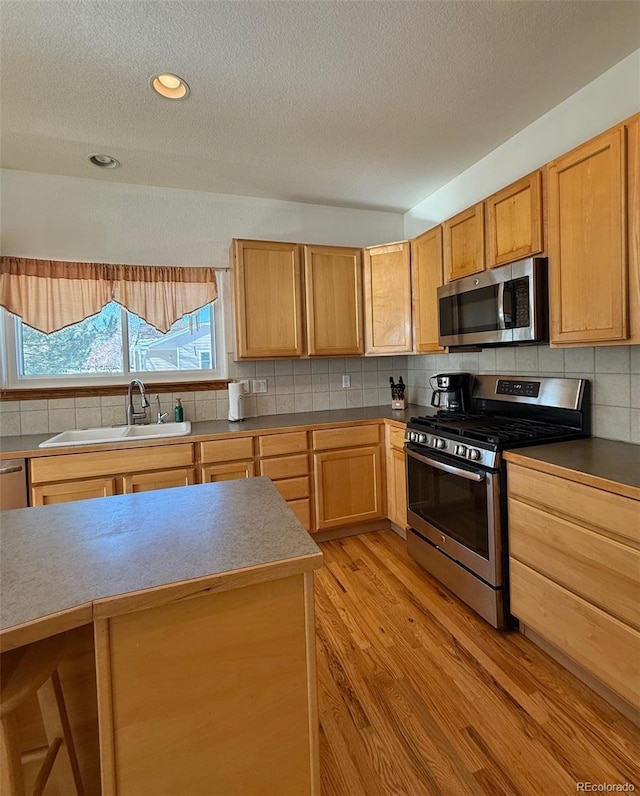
x=56, y=725
x=11, y=776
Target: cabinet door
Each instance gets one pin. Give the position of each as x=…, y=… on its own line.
x=587, y=242
x=514, y=221
x=397, y=488
x=333, y=286
x=66, y=491
x=633, y=222
x=387, y=299
x=144, y=482
x=426, y=270
x=267, y=281
x=348, y=486
x=226, y=472
x=464, y=243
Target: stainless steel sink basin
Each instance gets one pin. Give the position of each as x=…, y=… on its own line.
x=94, y=436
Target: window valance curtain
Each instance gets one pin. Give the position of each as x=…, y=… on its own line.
x=50, y=294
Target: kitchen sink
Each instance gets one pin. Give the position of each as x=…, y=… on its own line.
x=94, y=436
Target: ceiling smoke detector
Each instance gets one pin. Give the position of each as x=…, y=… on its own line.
x=104, y=161
x=170, y=86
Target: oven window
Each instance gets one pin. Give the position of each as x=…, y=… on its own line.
x=474, y=311
x=454, y=505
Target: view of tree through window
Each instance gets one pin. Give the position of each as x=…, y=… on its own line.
x=97, y=345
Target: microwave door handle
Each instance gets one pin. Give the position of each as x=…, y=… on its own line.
x=447, y=468
x=501, y=320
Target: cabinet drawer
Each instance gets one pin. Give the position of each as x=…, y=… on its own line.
x=226, y=450
x=82, y=465
x=302, y=510
x=143, y=482
x=597, y=568
x=285, y=467
x=324, y=439
x=230, y=471
x=588, y=505
x=279, y=444
x=603, y=645
x=396, y=437
x=65, y=492
x=293, y=488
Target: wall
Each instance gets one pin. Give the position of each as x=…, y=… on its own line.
x=293, y=386
x=614, y=373
x=609, y=99
x=68, y=218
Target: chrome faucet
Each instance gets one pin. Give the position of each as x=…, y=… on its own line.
x=162, y=416
x=132, y=415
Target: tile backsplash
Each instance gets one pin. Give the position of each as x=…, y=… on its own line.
x=292, y=386
x=305, y=385
x=614, y=373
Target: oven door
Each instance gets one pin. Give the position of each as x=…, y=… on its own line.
x=457, y=507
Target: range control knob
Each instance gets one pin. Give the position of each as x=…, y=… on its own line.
x=461, y=450
x=438, y=442
x=473, y=453
x=422, y=438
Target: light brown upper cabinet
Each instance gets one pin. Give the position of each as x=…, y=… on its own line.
x=387, y=299
x=514, y=221
x=426, y=273
x=464, y=243
x=268, y=299
x=333, y=289
x=633, y=225
x=588, y=269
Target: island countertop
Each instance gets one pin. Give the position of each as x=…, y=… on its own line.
x=65, y=565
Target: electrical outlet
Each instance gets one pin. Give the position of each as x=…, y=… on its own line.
x=259, y=385
x=346, y=382
x=244, y=384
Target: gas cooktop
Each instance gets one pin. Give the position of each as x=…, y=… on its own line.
x=506, y=412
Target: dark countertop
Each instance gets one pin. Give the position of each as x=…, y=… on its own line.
x=603, y=463
x=73, y=555
x=28, y=445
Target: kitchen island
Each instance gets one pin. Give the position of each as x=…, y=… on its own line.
x=190, y=620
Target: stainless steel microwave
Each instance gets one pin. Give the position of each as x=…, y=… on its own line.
x=503, y=305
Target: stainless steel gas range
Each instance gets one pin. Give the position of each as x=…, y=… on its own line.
x=456, y=479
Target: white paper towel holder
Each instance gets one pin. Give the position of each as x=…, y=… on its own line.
x=236, y=401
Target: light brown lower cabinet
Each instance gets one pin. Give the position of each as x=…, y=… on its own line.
x=396, y=478
x=575, y=574
x=226, y=471
x=66, y=491
x=80, y=476
x=349, y=486
x=144, y=482
x=284, y=458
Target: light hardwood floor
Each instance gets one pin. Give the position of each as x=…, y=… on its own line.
x=417, y=695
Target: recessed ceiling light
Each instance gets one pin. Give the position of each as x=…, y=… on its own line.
x=170, y=86
x=104, y=161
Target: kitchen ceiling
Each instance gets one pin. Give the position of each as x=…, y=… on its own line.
x=361, y=104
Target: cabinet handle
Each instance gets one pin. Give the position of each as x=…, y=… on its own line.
x=11, y=468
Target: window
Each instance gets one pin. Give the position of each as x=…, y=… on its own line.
x=113, y=346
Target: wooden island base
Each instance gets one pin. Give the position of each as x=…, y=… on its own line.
x=201, y=685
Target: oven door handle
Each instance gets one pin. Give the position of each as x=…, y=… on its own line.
x=447, y=468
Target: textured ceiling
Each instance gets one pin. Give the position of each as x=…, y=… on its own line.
x=363, y=104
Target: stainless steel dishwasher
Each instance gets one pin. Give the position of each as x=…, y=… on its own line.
x=13, y=484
